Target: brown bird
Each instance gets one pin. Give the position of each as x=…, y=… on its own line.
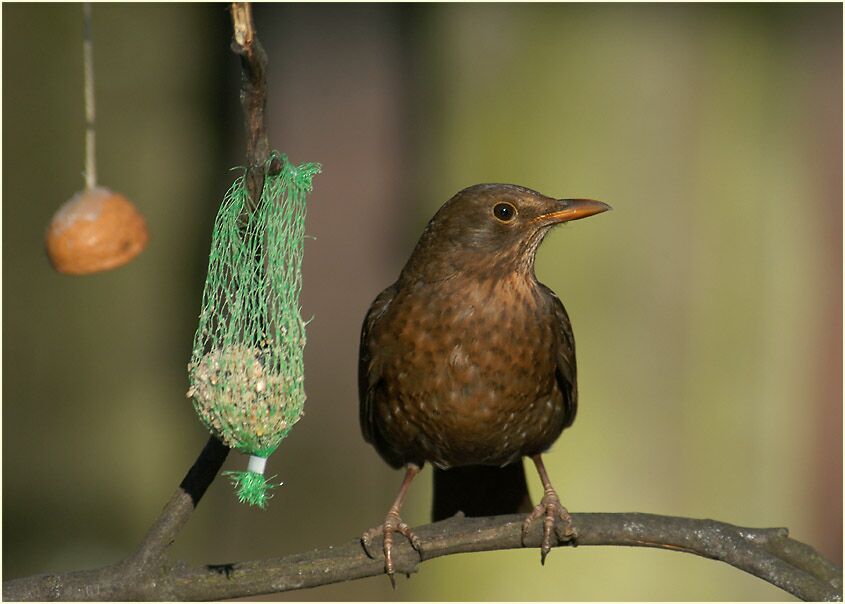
x=468, y=362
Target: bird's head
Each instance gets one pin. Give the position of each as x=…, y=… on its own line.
x=491, y=229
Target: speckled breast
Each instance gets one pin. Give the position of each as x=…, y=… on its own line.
x=469, y=377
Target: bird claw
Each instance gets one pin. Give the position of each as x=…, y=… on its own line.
x=555, y=517
x=392, y=524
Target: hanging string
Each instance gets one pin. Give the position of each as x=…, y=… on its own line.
x=88, y=60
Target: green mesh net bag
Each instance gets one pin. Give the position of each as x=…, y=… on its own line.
x=246, y=370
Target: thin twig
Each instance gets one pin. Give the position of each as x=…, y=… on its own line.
x=88, y=61
x=766, y=553
x=246, y=45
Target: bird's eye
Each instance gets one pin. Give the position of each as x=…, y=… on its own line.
x=504, y=212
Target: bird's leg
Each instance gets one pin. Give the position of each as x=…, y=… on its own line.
x=393, y=523
x=554, y=514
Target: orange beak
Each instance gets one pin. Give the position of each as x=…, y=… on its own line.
x=572, y=209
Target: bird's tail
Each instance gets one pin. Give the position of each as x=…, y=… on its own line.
x=480, y=491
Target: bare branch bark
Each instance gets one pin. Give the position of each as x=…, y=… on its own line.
x=245, y=44
x=766, y=553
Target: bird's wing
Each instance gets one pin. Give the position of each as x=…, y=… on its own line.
x=566, y=370
x=369, y=373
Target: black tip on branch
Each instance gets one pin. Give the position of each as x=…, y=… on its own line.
x=205, y=469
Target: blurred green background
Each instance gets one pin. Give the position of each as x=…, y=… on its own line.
x=707, y=306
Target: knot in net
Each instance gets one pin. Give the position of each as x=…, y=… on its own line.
x=246, y=369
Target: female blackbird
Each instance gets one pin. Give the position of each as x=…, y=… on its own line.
x=468, y=362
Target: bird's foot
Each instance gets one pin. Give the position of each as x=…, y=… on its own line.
x=556, y=517
x=393, y=524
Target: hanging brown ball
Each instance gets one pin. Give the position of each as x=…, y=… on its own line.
x=95, y=230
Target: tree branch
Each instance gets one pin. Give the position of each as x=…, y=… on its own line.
x=766, y=553
x=245, y=44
